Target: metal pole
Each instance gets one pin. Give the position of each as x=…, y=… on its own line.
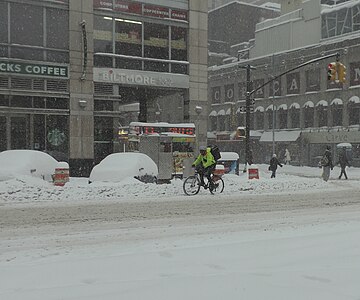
x=247, y=128
x=273, y=108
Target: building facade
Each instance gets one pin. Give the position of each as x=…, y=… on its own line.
x=302, y=111
x=73, y=72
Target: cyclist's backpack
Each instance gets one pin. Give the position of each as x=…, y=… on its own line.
x=215, y=151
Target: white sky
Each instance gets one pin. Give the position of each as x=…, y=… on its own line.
x=301, y=254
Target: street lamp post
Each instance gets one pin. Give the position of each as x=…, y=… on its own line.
x=247, y=115
x=198, y=110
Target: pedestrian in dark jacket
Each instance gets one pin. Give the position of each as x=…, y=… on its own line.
x=327, y=163
x=343, y=161
x=274, y=163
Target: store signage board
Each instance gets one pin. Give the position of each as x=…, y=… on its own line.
x=32, y=69
x=138, y=8
x=143, y=78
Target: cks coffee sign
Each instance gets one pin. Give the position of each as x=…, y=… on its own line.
x=154, y=11
x=14, y=67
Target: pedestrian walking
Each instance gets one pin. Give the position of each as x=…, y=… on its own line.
x=287, y=157
x=274, y=163
x=326, y=163
x=344, y=162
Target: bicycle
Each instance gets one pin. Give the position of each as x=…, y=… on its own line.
x=192, y=184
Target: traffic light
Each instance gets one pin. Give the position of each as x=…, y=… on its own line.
x=332, y=71
x=341, y=72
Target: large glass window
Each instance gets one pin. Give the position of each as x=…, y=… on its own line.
x=3, y=144
x=103, y=28
x=322, y=115
x=3, y=22
x=128, y=37
x=57, y=28
x=26, y=24
x=336, y=111
x=354, y=113
x=282, y=118
x=308, y=117
x=295, y=117
x=156, y=45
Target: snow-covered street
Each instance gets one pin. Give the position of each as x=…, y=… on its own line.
x=293, y=237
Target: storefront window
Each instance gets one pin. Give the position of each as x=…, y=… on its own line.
x=26, y=24
x=128, y=37
x=178, y=43
x=308, y=117
x=4, y=100
x=57, y=135
x=270, y=118
x=295, y=117
x=3, y=22
x=103, y=28
x=3, y=144
x=337, y=115
x=103, y=105
x=57, y=28
x=354, y=113
x=156, y=41
x=322, y=116
x=57, y=56
x=259, y=120
x=57, y=103
x=282, y=118
x=21, y=101
x=27, y=53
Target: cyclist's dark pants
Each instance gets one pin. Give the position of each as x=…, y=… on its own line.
x=205, y=172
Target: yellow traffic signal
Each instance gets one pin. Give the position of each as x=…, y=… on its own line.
x=332, y=72
x=341, y=72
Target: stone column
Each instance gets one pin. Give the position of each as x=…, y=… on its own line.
x=81, y=87
x=198, y=39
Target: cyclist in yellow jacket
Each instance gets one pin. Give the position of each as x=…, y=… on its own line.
x=205, y=164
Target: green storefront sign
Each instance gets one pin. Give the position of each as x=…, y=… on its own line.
x=13, y=67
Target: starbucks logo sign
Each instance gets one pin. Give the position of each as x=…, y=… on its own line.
x=56, y=137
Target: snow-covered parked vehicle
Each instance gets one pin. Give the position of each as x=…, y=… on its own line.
x=119, y=166
x=17, y=163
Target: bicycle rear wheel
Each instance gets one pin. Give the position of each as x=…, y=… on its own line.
x=191, y=185
x=218, y=185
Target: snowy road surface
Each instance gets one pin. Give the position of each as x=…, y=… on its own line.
x=287, y=244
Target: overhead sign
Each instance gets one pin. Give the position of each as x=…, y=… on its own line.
x=134, y=77
x=138, y=8
x=14, y=67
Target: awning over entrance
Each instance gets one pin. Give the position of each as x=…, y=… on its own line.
x=213, y=114
x=280, y=136
x=221, y=112
x=336, y=101
x=322, y=103
x=354, y=99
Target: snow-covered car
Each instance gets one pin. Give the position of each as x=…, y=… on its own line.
x=15, y=163
x=119, y=166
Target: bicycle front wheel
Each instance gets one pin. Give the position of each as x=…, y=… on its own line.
x=191, y=185
x=218, y=186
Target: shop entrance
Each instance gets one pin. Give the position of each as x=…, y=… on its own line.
x=48, y=133
x=19, y=132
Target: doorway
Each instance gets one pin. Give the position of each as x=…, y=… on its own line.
x=19, y=132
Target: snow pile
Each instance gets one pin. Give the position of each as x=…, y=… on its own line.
x=289, y=180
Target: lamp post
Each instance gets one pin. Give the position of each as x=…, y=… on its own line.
x=247, y=116
x=198, y=110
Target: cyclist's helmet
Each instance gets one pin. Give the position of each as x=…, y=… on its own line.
x=202, y=149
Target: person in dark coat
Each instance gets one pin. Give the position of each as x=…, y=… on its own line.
x=327, y=164
x=343, y=161
x=274, y=163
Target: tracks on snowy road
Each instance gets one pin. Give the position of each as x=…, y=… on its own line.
x=181, y=207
